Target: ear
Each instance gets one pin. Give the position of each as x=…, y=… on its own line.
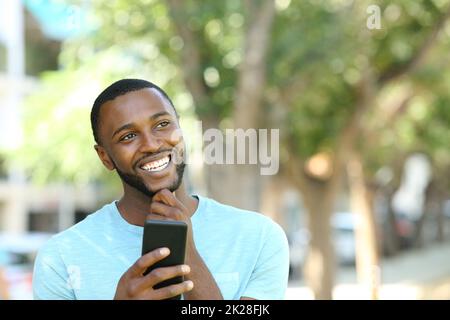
x=104, y=157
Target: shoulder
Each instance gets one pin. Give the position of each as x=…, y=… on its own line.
x=215, y=208
x=70, y=238
x=251, y=221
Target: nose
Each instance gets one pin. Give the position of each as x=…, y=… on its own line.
x=149, y=143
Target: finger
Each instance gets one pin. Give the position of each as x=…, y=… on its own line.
x=147, y=260
x=161, y=274
x=172, y=290
x=159, y=217
x=167, y=197
x=167, y=211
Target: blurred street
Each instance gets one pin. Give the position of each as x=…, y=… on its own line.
x=416, y=274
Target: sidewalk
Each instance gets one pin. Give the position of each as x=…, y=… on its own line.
x=417, y=274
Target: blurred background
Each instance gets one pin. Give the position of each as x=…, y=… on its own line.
x=360, y=91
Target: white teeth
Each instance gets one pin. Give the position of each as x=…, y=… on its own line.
x=157, y=165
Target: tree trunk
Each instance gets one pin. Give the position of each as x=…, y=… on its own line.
x=319, y=269
x=318, y=195
x=367, y=248
x=440, y=220
x=418, y=239
x=236, y=185
x=437, y=197
x=390, y=236
x=240, y=184
x=272, y=200
x=432, y=215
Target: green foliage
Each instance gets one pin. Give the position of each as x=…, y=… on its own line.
x=59, y=142
x=58, y=136
x=127, y=39
x=318, y=52
x=326, y=48
x=144, y=30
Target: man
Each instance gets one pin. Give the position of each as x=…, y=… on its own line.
x=230, y=253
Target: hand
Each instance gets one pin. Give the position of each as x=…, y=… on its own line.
x=134, y=285
x=166, y=206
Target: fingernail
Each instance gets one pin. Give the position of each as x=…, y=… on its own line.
x=189, y=284
x=164, y=251
x=185, y=268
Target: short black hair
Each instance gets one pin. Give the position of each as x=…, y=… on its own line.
x=116, y=89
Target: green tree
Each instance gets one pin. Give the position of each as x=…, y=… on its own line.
x=312, y=69
x=335, y=94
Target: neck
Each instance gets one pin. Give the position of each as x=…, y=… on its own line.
x=134, y=206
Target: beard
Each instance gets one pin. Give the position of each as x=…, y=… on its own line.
x=137, y=182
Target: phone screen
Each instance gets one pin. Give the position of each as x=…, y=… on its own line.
x=170, y=234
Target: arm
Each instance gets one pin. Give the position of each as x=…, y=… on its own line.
x=205, y=286
x=270, y=275
x=166, y=206
x=51, y=280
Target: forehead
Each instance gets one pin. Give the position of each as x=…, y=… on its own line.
x=132, y=107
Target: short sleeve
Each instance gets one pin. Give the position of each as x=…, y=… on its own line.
x=51, y=280
x=270, y=277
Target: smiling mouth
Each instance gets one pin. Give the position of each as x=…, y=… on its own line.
x=157, y=165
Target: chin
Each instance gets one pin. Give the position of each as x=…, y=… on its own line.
x=170, y=183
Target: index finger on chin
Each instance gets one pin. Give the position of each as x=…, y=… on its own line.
x=165, y=196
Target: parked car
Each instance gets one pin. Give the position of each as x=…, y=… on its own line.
x=343, y=229
x=17, y=255
x=343, y=226
x=298, y=245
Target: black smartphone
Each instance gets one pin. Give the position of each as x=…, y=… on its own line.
x=169, y=234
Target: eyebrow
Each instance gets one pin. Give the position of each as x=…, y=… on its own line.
x=131, y=125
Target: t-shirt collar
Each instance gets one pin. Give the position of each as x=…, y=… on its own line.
x=117, y=217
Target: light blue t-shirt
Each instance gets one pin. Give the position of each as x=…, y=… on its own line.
x=246, y=252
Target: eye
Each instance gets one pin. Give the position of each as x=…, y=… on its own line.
x=127, y=137
x=163, y=124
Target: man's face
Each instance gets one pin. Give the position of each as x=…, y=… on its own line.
x=140, y=137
